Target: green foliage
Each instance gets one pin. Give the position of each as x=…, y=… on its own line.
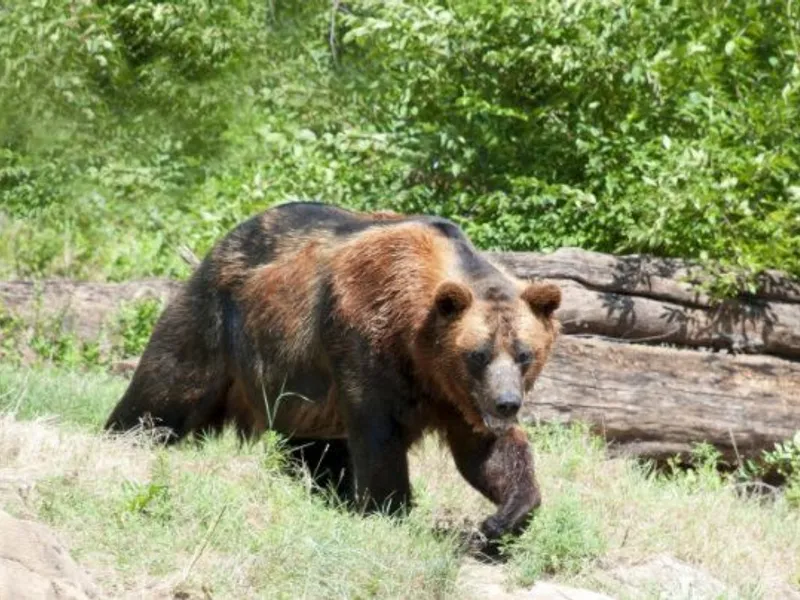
x=127, y=128
x=783, y=460
x=53, y=339
x=563, y=538
x=151, y=498
x=668, y=128
x=53, y=344
x=705, y=472
x=135, y=324
x=11, y=331
x=46, y=340
x=709, y=470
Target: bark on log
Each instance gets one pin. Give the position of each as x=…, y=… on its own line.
x=656, y=402
x=650, y=300
x=766, y=328
x=673, y=280
x=83, y=307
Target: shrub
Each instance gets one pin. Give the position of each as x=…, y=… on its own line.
x=127, y=128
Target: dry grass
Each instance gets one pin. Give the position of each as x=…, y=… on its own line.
x=222, y=518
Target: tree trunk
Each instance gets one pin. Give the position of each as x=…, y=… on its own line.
x=644, y=299
x=767, y=328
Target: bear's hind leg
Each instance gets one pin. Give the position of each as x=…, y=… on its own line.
x=328, y=462
x=179, y=403
x=181, y=381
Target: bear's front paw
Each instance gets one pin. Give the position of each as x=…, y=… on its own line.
x=485, y=542
x=493, y=528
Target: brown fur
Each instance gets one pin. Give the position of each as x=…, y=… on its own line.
x=287, y=288
x=369, y=329
x=403, y=264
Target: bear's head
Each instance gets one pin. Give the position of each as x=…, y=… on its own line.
x=488, y=345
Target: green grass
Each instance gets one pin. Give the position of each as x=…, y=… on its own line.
x=562, y=539
x=77, y=398
x=260, y=533
x=225, y=518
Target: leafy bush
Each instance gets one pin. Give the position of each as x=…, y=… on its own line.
x=668, y=128
x=127, y=128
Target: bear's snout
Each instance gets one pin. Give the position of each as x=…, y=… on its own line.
x=503, y=391
x=508, y=403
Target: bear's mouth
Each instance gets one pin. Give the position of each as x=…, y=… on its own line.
x=498, y=425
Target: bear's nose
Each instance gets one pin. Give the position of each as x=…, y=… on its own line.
x=508, y=404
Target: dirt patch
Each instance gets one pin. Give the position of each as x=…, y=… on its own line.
x=479, y=580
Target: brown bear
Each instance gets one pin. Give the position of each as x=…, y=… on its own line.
x=354, y=334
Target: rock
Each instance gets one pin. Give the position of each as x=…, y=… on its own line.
x=664, y=577
x=544, y=590
x=34, y=565
x=485, y=581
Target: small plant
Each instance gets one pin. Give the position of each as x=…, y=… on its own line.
x=11, y=329
x=707, y=461
x=54, y=344
x=563, y=537
x=151, y=499
x=58, y=348
x=275, y=451
x=135, y=324
x=785, y=460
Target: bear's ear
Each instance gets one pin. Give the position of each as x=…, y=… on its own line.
x=543, y=298
x=452, y=299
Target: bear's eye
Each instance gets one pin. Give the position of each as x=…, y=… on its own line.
x=479, y=359
x=524, y=357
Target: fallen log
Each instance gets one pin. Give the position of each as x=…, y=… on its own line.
x=674, y=280
x=82, y=307
x=654, y=300
x=761, y=328
x=656, y=402
x=743, y=326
